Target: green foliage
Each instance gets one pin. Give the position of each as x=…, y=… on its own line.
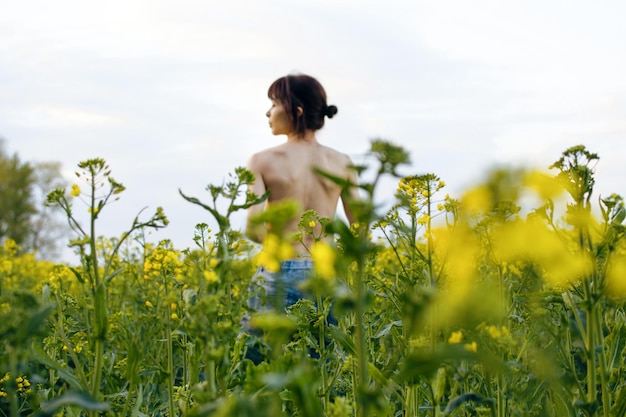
x=17, y=205
x=440, y=307
x=23, y=217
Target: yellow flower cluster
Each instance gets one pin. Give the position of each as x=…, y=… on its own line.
x=471, y=347
x=6, y=266
x=546, y=186
x=496, y=332
x=616, y=271
x=455, y=337
x=274, y=251
x=210, y=275
x=478, y=200
x=163, y=262
x=323, y=260
x=21, y=271
x=10, y=248
x=75, y=192
x=417, y=190
x=533, y=240
x=59, y=276
x=23, y=385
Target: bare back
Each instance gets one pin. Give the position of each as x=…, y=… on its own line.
x=287, y=171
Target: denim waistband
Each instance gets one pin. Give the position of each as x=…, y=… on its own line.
x=296, y=264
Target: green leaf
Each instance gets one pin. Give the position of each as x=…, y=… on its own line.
x=457, y=401
x=41, y=356
x=33, y=323
x=387, y=329
x=80, y=399
x=113, y=274
x=619, y=408
x=78, y=275
x=342, y=339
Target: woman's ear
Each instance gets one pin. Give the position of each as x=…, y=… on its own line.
x=299, y=111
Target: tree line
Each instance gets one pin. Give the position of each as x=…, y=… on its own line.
x=24, y=217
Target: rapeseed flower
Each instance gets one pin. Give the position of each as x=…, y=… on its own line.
x=471, y=347
x=323, y=260
x=533, y=241
x=210, y=276
x=478, y=200
x=547, y=186
x=163, y=262
x=75, y=192
x=455, y=337
x=496, y=332
x=274, y=251
x=6, y=266
x=616, y=276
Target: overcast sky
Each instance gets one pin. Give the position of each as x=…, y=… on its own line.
x=173, y=94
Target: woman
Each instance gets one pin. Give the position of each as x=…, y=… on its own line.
x=298, y=111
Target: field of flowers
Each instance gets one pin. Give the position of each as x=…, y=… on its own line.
x=507, y=301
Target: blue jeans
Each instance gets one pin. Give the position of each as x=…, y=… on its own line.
x=278, y=290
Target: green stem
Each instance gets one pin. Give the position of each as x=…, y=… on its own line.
x=170, y=360
x=322, y=353
x=590, y=342
x=11, y=385
x=500, y=394
x=606, y=399
x=131, y=389
x=362, y=359
x=99, y=294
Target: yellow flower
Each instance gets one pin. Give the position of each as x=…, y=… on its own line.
x=323, y=260
x=494, y=332
x=455, y=337
x=274, y=250
x=547, y=186
x=149, y=304
x=173, y=306
x=75, y=190
x=210, y=276
x=10, y=247
x=616, y=271
x=478, y=200
x=174, y=316
x=423, y=219
x=6, y=266
x=471, y=347
x=312, y=223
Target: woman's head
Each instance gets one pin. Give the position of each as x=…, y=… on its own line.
x=304, y=101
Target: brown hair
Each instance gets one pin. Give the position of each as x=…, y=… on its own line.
x=304, y=91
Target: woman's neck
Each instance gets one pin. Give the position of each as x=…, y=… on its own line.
x=309, y=136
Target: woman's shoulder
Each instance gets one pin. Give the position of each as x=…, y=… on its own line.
x=337, y=156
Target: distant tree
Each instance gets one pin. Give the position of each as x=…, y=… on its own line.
x=48, y=225
x=23, y=215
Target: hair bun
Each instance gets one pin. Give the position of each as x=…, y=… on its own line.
x=331, y=111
